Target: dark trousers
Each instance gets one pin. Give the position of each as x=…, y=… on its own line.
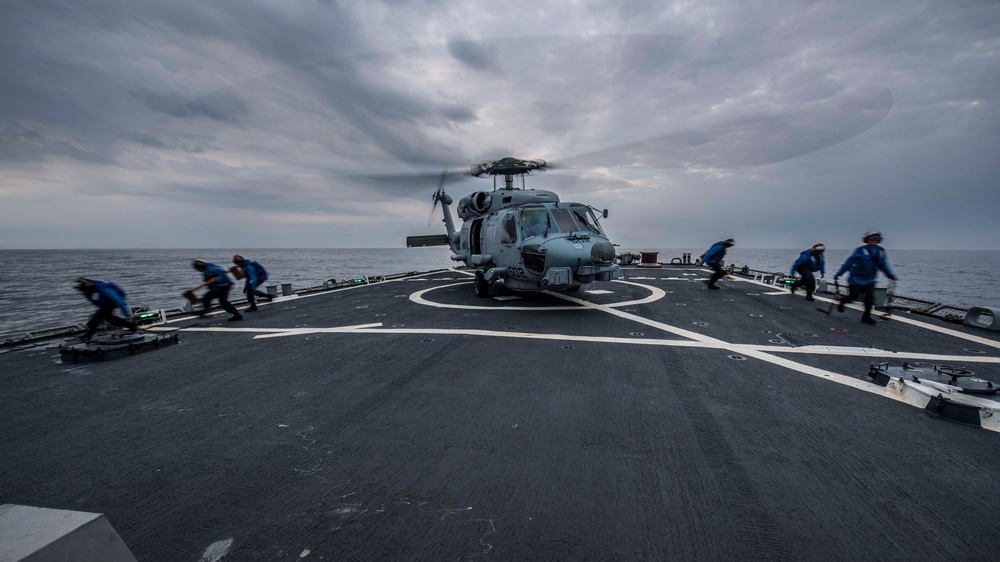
x=105, y=313
x=719, y=273
x=856, y=291
x=251, y=291
x=220, y=293
x=808, y=280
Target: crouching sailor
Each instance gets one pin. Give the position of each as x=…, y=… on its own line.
x=255, y=275
x=809, y=261
x=218, y=284
x=106, y=296
x=713, y=258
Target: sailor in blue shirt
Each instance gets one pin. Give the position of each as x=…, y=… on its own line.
x=864, y=265
x=255, y=275
x=713, y=258
x=809, y=261
x=106, y=296
x=218, y=284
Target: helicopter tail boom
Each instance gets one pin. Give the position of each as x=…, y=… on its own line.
x=427, y=240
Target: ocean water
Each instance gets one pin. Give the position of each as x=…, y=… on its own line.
x=960, y=278
x=35, y=289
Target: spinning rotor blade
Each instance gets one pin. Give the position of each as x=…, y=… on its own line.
x=437, y=195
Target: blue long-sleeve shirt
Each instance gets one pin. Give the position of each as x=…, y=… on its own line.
x=714, y=254
x=255, y=273
x=814, y=262
x=213, y=271
x=103, y=292
x=864, y=265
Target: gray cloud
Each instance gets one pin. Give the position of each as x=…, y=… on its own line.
x=656, y=108
x=474, y=55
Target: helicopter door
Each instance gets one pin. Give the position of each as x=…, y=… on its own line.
x=506, y=253
x=475, y=237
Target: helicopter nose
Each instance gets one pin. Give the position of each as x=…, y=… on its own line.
x=562, y=253
x=602, y=252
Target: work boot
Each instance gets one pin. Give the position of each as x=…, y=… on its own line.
x=868, y=320
x=809, y=298
x=252, y=309
x=840, y=306
x=716, y=287
x=234, y=318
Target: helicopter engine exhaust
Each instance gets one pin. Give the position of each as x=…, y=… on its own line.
x=474, y=204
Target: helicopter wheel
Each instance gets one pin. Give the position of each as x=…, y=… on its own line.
x=482, y=287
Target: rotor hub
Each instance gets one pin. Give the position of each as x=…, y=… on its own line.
x=508, y=167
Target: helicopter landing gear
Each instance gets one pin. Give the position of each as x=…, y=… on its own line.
x=482, y=287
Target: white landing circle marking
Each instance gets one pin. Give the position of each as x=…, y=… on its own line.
x=418, y=297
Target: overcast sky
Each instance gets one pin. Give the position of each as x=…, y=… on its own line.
x=248, y=123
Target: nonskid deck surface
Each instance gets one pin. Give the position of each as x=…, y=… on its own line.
x=648, y=418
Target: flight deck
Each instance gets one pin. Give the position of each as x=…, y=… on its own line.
x=643, y=418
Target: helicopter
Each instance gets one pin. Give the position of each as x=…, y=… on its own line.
x=524, y=239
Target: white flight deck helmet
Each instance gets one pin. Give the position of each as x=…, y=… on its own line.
x=870, y=234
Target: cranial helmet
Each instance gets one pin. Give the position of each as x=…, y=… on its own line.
x=237, y=259
x=198, y=264
x=729, y=242
x=80, y=283
x=870, y=234
x=819, y=248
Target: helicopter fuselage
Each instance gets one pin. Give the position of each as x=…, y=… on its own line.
x=525, y=238
x=529, y=240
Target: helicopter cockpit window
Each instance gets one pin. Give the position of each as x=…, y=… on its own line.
x=585, y=217
x=535, y=222
x=565, y=220
x=508, y=230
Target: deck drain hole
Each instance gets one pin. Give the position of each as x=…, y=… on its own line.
x=702, y=324
x=775, y=341
x=974, y=351
x=637, y=334
x=398, y=325
x=756, y=316
x=568, y=347
x=737, y=358
x=810, y=335
x=680, y=304
x=360, y=307
x=426, y=340
x=380, y=314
